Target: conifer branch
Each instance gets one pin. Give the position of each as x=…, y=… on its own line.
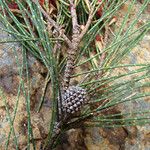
x=72, y=51
x=75, y=25
x=54, y=24
x=91, y=15
x=76, y=39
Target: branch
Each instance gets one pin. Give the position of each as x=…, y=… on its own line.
x=74, y=19
x=91, y=15
x=53, y=23
x=56, y=133
x=72, y=51
x=76, y=38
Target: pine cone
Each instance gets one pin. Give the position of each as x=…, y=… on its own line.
x=73, y=99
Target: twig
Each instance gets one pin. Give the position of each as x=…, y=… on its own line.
x=56, y=134
x=75, y=25
x=15, y=11
x=69, y=125
x=72, y=51
x=53, y=23
x=76, y=39
x=91, y=15
x=53, y=139
x=106, y=35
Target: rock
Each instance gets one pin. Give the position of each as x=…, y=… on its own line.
x=9, y=83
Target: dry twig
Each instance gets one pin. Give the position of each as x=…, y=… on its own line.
x=91, y=15
x=53, y=23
